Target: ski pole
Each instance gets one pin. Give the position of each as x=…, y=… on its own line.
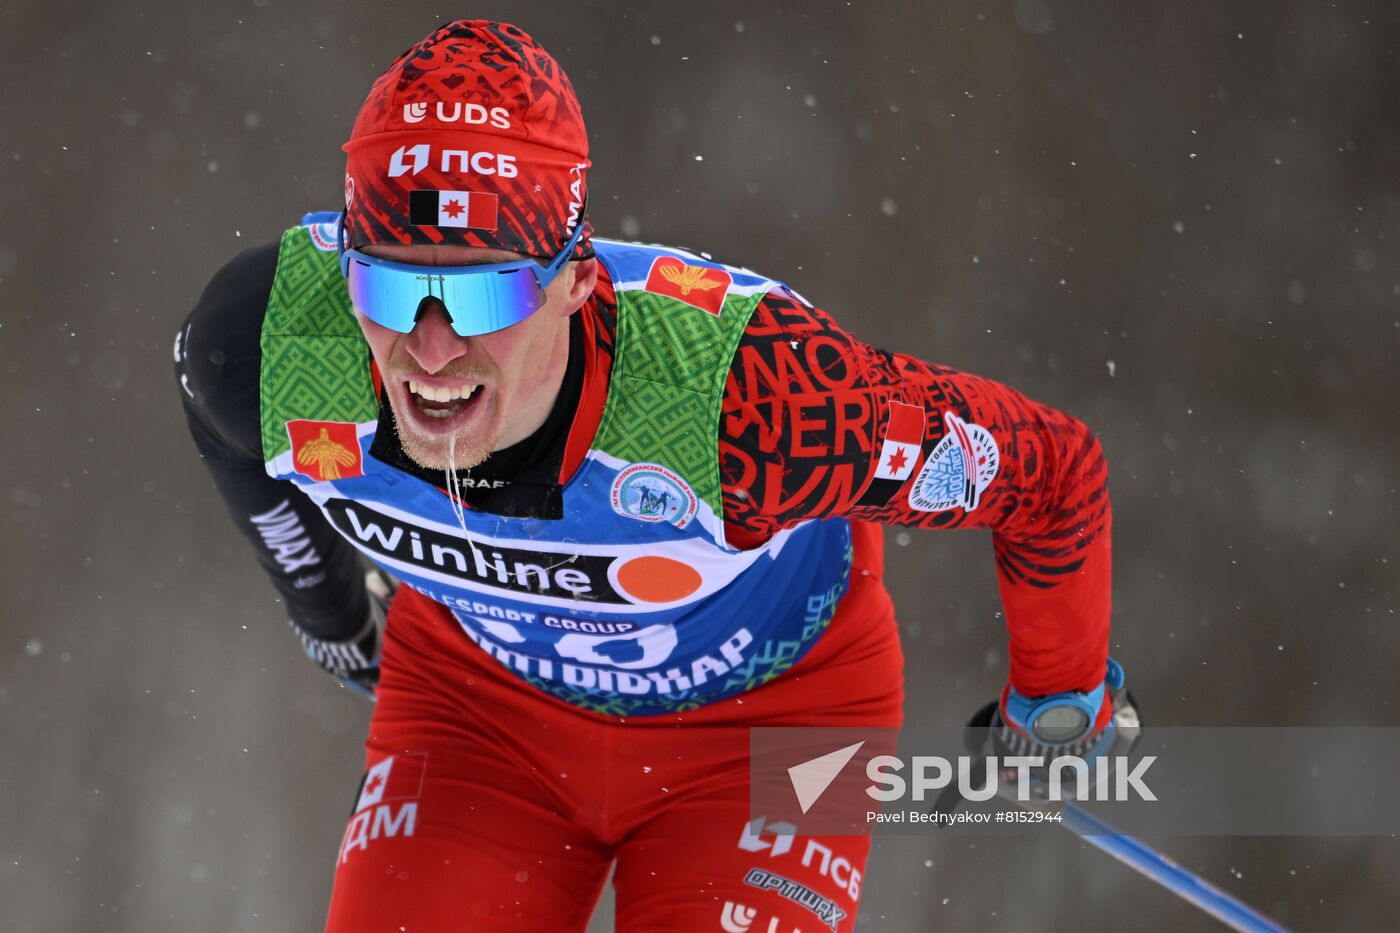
x=1131, y=852
x=1167, y=873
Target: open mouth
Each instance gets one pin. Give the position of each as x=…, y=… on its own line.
x=439, y=404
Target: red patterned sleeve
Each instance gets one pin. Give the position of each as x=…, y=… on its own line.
x=818, y=424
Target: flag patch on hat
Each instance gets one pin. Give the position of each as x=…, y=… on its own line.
x=474, y=209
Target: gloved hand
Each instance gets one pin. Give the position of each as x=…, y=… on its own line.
x=1103, y=723
x=355, y=660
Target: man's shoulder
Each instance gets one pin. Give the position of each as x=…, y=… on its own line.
x=654, y=266
x=777, y=313
x=228, y=316
x=217, y=354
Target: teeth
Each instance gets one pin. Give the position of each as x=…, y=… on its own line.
x=441, y=394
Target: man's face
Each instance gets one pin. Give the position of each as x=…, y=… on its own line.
x=456, y=399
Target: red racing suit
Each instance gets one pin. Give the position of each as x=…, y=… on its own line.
x=490, y=805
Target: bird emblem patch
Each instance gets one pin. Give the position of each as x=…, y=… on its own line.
x=325, y=450
x=700, y=287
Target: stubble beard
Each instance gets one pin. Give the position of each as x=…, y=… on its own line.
x=458, y=452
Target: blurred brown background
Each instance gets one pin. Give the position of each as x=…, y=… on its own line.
x=1178, y=221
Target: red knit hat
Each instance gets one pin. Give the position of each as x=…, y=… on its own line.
x=472, y=137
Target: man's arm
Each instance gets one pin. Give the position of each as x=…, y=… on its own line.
x=807, y=412
x=217, y=364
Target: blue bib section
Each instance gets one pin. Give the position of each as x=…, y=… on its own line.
x=629, y=605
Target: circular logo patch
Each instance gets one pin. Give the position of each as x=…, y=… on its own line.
x=649, y=492
x=323, y=237
x=958, y=470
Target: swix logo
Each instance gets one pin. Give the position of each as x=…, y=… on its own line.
x=739, y=918
x=457, y=112
x=410, y=160
x=751, y=840
x=388, y=804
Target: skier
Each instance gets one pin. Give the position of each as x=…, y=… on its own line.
x=457, y=381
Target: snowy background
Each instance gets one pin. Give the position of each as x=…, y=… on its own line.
x=1178, y=221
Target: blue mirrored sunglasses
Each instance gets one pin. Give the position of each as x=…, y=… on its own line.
x=477, y=299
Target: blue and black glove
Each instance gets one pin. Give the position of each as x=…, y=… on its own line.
x=355, y=660
x=1100, y=724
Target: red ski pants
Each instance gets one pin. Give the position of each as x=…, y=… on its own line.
x=490, y=806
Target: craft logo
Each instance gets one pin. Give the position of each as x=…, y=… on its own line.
x=649, y=492
x=959, y=469
x=388, y=803
x=470, y=114
x=700, y=287
x=325, y=450
x=410, y=160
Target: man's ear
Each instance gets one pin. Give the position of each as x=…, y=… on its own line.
x=585, y=279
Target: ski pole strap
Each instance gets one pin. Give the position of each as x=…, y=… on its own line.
x=1136, y=855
